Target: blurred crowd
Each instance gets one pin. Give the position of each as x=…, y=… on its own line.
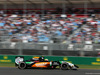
x=90, y=33
x=33, y=28
x=42, y=28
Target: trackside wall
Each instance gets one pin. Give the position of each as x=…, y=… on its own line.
x=74, y=60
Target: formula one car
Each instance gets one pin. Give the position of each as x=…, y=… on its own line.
x=40, y=62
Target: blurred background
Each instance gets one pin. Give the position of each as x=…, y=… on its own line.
x=50, y=27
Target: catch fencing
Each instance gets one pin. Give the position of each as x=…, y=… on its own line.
x=20, y=48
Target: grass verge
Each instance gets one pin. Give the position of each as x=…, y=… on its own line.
x=7, y=65
x=89, y=66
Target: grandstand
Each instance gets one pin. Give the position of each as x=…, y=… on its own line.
x=54, y=27
x=50, y=6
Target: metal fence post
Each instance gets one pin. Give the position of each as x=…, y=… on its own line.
x=82, y=53
x=5, y=7
x=85, y=7
x=42, y=10
x=50, y=50
x=20, y=49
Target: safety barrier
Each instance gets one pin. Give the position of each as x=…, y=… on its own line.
x=75, y=60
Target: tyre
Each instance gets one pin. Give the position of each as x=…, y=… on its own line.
x=64, y=66
x=22, y=65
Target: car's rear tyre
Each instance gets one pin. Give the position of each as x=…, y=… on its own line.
x=22, y=65
x=64, y=66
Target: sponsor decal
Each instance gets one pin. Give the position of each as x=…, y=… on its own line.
x=5, y=59
x=65, y=58
x=97, y=62
x=98, y=59
x=29, y=62
x=40, y=64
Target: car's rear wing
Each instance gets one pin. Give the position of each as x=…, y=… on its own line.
x=18, y=59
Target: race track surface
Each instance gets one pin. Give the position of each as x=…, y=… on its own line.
x=15, y=71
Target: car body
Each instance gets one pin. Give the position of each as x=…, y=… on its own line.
x=36, y=63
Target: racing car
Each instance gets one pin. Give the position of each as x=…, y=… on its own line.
x=40, y=62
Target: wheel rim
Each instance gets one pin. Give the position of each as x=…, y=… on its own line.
x=64, y=66
x=22, y=65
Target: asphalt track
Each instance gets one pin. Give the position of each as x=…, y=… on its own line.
x=15, y=71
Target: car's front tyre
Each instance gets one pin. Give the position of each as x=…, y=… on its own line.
x=64, y=66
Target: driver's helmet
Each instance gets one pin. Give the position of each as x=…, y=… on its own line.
x=41, y=58
x=35, y=58
x=46, y=60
